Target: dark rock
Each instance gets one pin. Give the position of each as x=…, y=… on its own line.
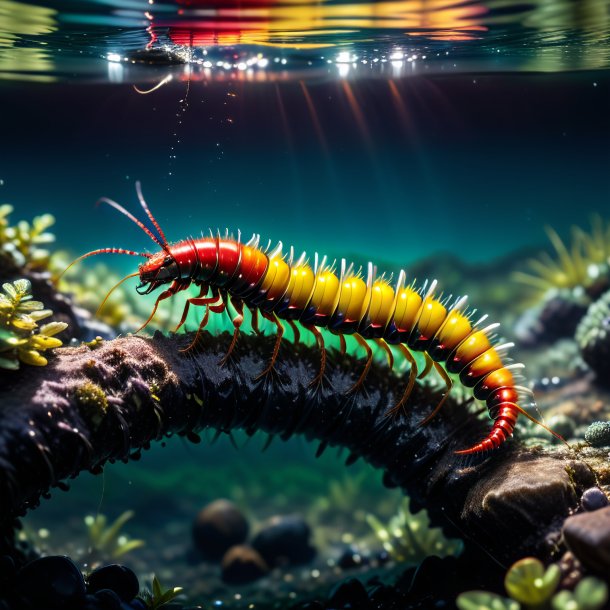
x=242, y=564
x=588, y=537
x=109, y=599
x=284, y=540
x=349, y=594
x=219, y=526
x=51, y=582
x=425, y=580
x=117, y=578
x=7, y=570
x=138, y=604
x=593, y=499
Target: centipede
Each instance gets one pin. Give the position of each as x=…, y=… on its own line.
x=334, y=296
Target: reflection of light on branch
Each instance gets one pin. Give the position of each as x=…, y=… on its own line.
x=157, y=86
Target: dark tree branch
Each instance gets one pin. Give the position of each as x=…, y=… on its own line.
x=89, y=406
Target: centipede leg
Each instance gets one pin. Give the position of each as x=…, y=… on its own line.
x=317, y=380
x=254, y=321
x=188, y=303
x=276, y=348
x=410, y=384
x=427, y=367
x=216, y=308
x=237, y=322
x=441, y=371
x=175, y=286
x=367, y=365
x=342, y=345
x=386, y=348
x=295, y=330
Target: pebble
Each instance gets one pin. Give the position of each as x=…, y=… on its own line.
x=119, y=579
x=284, y=540
x=242, y=564
x=50, y=583
x=588, y=537
x=219, y=526
x=349, y=594
x=593, y=499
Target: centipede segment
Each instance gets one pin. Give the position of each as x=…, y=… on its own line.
x=344, y=301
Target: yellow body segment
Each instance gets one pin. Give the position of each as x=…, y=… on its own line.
x=300, y=286
x=382, y=302
x=501, y=378
x=486, y=363
x=407, y=307
x=472, y=347
x=352, y=299
x=432, y=316
x=455, y=329
x=276, y=278
x=325, y=293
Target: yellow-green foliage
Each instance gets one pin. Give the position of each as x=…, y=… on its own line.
x=92, y=400
x=22, y=242
x=409, y=538
x=578, y=264
x=21, y=339
x=107, y=541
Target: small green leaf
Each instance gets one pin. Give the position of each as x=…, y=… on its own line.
x=591, y=593
x=483, y=600
x=529, y=583
x=52, y=328
x=127, y=547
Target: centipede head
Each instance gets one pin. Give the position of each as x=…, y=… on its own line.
x=161, y=268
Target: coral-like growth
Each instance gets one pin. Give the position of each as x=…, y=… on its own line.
x=580, y=264
x=593, y=337
x=598, y=434
x=21, y=339
x=22, y=243
x=409, y=538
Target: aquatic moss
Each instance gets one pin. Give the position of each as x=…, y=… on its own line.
x=593, y=337
x=528, y=582
x=598, y=434
x=21, y=339
x=24, y=243
x=409, y=538
x=92, y=401
x=583, y=263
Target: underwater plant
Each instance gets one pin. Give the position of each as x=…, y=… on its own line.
x=409, y=538
x=21, y=243
x=531, y=586
x=593, y=338
x=158, y=596
x=583, y=264
x=107, y=541
x=21, y=339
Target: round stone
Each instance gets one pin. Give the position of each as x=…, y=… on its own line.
x=219, y=526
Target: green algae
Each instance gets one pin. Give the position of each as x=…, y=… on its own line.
x=21, y=338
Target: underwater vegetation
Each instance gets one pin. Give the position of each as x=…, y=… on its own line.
x=408, y=537
x=23, y=243
x=107, y=541
x=593, y=337
x=22, y=340
x=583, y=264
x=531, y=586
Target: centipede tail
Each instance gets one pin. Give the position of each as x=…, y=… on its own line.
x=284, y=288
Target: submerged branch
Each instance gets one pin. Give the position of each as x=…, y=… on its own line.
x=92, y=405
